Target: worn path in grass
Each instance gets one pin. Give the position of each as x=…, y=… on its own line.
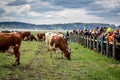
x=36, y=64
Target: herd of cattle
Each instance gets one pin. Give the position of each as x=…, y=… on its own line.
x=11, y=42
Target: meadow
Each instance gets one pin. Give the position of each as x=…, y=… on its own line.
x=36, y=64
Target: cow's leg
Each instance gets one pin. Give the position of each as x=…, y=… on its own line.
x=57, y=54
x=17, y=56
x=50, y=53
x=17, y=59
x=62, y=55
x=28, y=38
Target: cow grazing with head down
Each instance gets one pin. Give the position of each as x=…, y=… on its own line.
x=40, y=36
x=11, y=41
x=25, y=35
x=59, y=43
x=32, y=37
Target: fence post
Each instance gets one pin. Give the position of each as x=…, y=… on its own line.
x=90, y=42
x=102, y=45
x=87, y=42
x=97, y=48
x=93, y=42
x=73, y=37
x=114, y=45
x=107, y=48
x=80, y=39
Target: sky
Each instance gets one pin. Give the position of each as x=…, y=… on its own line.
x=60, y=11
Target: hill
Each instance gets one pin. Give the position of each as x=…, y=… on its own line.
x=67, y=26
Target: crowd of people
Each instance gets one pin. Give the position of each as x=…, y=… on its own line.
x=101, y=33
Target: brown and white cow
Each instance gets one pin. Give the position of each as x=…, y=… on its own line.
x=40, y=36
x=13, y=41
x=58, y=43
x=48, y=37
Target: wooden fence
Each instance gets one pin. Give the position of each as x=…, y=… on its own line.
x=104, y=47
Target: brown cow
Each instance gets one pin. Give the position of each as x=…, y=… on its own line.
x=13, y=40
x=40, y=36
x=59, y=43
x=25, y=35
x=32, y=37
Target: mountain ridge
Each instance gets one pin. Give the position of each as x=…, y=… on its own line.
x=60, y=26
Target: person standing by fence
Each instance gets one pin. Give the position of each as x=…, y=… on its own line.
x=110, y=40
x=117, y=38
x=67, y=34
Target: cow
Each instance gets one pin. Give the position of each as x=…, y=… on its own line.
x=25, y=35
x=32, y=37
x=49, y=35
x=40, y=36
x=58, y=44
x=13, y=41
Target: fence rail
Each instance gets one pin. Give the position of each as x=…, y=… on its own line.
x=104, y=47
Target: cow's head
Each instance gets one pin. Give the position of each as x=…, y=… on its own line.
x=67, y=54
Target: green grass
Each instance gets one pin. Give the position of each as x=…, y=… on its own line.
x=36, y=64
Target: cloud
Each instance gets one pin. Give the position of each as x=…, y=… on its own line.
x=18, y=10
x=41, y=7
x=17, y=3
x=1, y=12
x=111, y=4
x=60, y=11
x=107, y=9
x=33, y=14
x=69, y=3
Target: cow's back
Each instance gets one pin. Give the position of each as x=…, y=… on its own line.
x=9, y=39
x=17, y=38
x=5, y=40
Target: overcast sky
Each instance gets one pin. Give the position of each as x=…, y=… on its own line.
x=60, y=11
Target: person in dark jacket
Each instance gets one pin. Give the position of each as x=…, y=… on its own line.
x=117, y=38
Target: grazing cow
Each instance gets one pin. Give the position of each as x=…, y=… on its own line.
x=25, y=35
x=48, y=37
x=32, y=37
x=40, y=36
x=11, y=41
x=57, y=43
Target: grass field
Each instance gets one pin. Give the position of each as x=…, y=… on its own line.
x=36, y=64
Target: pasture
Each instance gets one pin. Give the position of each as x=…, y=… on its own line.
x=36, y=64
